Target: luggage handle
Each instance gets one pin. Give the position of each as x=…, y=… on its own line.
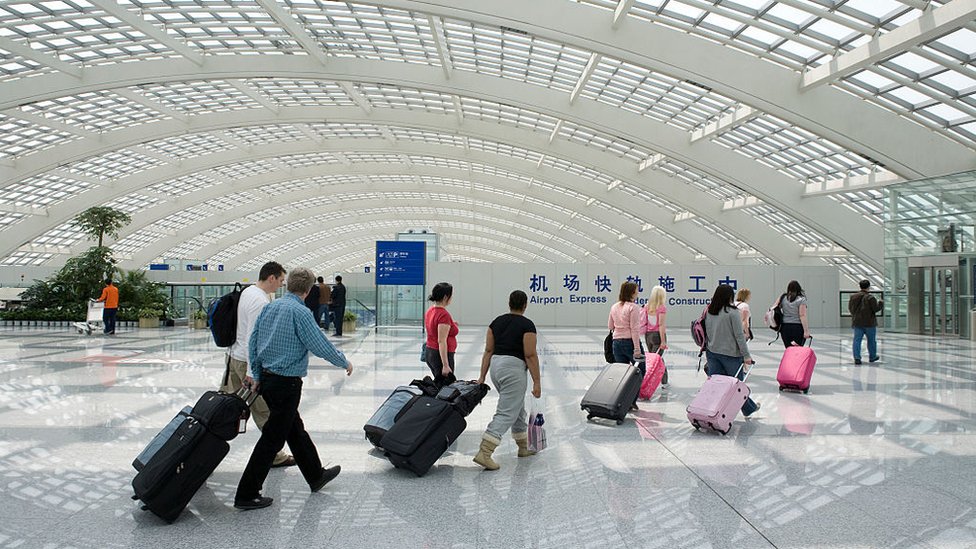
x=807, y=343
x=248, y=396
x=749, y=371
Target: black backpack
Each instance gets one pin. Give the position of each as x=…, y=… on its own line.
x=222, y=317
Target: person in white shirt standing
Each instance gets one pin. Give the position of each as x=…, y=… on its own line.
x=253, y=299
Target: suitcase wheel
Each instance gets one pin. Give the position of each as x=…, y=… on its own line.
x=620, y=422
x=589, y=417
x=807, y=390
x=781, y=388
x=725, y=432
x=696, y=426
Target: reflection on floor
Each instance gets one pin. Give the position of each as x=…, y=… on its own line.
x=875, y=456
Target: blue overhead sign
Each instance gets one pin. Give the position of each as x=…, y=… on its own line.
x=400, y=263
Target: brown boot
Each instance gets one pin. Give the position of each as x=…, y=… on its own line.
x=522, y=440
x=483, y=458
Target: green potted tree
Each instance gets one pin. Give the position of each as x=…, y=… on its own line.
x=349, y=322
x=199, y=318
x=149, y=318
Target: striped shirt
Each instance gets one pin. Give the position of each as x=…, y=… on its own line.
x=283, y=335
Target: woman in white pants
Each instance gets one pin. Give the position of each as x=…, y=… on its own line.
x=510, y=353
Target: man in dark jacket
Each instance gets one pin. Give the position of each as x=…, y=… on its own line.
x=338, y=304
x=312, y=301
x=863, y=307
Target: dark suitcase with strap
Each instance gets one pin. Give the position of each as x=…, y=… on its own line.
x=179, y=468
x=422, y=434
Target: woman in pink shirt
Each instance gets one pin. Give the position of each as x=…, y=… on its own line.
x=625, y=323
x=653, y=325
x=442, y=334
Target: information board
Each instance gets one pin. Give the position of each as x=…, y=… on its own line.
x=400, y=263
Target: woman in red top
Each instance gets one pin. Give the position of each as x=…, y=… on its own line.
x=442, y=334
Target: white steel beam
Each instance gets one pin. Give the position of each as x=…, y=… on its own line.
x=873, y=180
x=150, y=30
x=440, y=42
x=254, y=95
x=585, y=76
x=140, y=99
x=45, y=59
x=621, y=11
x=28, y=210
x=651, y=162
x=356, y=97
x=930, y=25
x=741, y=203
x=458, y=110
x=295, y=29
x=741, y=115
x=555, y=131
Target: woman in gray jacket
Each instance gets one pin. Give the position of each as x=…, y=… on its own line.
x=726, y=349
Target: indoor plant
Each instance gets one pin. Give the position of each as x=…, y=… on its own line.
x=149, y=318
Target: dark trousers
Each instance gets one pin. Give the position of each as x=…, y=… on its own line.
x=319, y=312
x=282, y=394
x=436, y=366
x=108, y=319
x=623, y=353
x=338, y=311
x=791, y=333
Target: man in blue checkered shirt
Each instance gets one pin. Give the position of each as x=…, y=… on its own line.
x=283, y=335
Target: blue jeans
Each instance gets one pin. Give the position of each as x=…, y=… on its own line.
x=623, y=353
x=725, y=365
x=321, y=310
x=859, y=333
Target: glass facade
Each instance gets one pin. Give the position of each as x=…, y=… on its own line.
x=930, y=254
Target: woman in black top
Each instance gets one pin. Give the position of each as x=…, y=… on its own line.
x=509, y=353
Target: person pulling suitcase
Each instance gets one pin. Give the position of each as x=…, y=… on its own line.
x=283, y=335
x=726, y=349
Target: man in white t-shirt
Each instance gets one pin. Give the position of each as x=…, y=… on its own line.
x=253, y=299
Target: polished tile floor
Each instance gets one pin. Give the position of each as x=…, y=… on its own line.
x=875, y=456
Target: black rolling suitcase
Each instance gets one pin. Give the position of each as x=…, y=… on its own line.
x=224, y=414
x=613, y=392
x=167, y=482
x=385, y=416
x=422, y=434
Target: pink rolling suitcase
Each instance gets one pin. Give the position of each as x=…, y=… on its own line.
x=653, y=376
x=717, y=403
x=796, y=368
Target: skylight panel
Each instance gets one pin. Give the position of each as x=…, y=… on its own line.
x=752, y=7
x=199, y=97
x=189, y=145
x=114, y=164
x=837, y=32
x=962, y=40
x=724, y=24
x=945, y=113
x=19, y=137
x=909, y=96
x=683, y=11
x=954, y=82
x=872, y=80
x=767, y=39
x=799, y=51
x=916, y=64
x=788, y=16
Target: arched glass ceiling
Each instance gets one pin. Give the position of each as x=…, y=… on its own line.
x=932, y=83
x=929, y=82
